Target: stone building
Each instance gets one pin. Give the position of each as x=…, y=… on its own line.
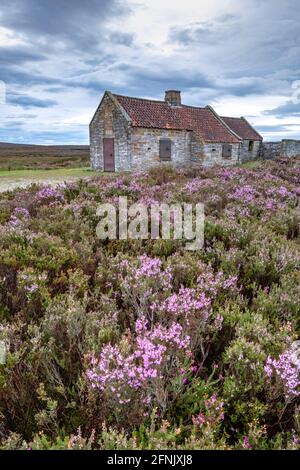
x=131, y=133
x=251, y=140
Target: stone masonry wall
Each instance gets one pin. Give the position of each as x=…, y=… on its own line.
x=290, y=148
x=110, y=122
x=211, y=154
x=285, y=148
x=145, y=147
x=271, y=150
x=246, y=155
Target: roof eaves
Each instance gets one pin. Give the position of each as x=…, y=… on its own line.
x=116, y=103
x=244, y=119
x=98, y=108
x=119, y=106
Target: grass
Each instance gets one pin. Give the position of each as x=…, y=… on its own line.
x=251, y=164
x=47, y=174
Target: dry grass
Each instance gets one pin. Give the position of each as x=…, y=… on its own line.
x=21, y=157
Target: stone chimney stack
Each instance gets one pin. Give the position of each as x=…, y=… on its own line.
x=173, y=97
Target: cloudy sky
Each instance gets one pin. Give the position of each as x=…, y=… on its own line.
x=58, y=56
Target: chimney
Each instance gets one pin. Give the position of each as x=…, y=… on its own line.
x=173, y=97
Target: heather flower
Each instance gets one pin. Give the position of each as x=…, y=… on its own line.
x=48, y=193
x=196, y=185
x=19, y=217
x=286, y=370
x=245, y=194
x=246, y=444
x=184, y=303
x=145, y=361
x=212, y=415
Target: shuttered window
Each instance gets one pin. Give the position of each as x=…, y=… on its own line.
x=165, y=146
x=226, y=150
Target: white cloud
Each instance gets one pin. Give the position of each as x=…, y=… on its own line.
x=10, y=38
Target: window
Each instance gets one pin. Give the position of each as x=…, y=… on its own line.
x=226, y=151
x=251, y=145
x=165, y=146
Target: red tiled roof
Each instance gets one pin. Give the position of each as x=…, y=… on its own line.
x=242, y=128
x=161, y=115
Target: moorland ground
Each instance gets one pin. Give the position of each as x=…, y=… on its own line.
x=22, y=165
x=135, y=344
x=43, y=157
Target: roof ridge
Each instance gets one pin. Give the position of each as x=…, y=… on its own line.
x=193, y=107
x=157, y=101
x=223, y=123
x=246, y=120
x=137, y=98
x=231, y=117
x=242, y=120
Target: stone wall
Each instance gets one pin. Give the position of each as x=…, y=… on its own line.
x=285, y=148
x=290, y=148
x=110, y=122
x=145, y=147
x=248, y=155
x=186, y=149
x=213, y=155
x=271, y=150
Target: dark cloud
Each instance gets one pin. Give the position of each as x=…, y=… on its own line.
x=14, y=124
x=157, y=78
x=69, y=19
x=274, y=128
x=260, y=42
x=30, y=102
x=62, y=32
x=18, y=75
x=124, y=39
x=209, y=32
x=236, y=88
x=288, y=109
x=18, y=55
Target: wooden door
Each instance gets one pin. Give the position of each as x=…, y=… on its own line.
x=226, y=151
x=165, y=149
x=109, y=154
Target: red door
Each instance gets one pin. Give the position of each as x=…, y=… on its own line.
x=109, y=154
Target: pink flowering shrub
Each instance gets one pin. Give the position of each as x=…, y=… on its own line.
x=49, y=194
x=142, y=283
x=134, y=344
x=212, y=415
x=151, y=359
x=286, y=372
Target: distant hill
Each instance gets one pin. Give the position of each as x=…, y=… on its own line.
x=21, y=156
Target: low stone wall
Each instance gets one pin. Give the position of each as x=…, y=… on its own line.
x=290, y=148
x=286, y=148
